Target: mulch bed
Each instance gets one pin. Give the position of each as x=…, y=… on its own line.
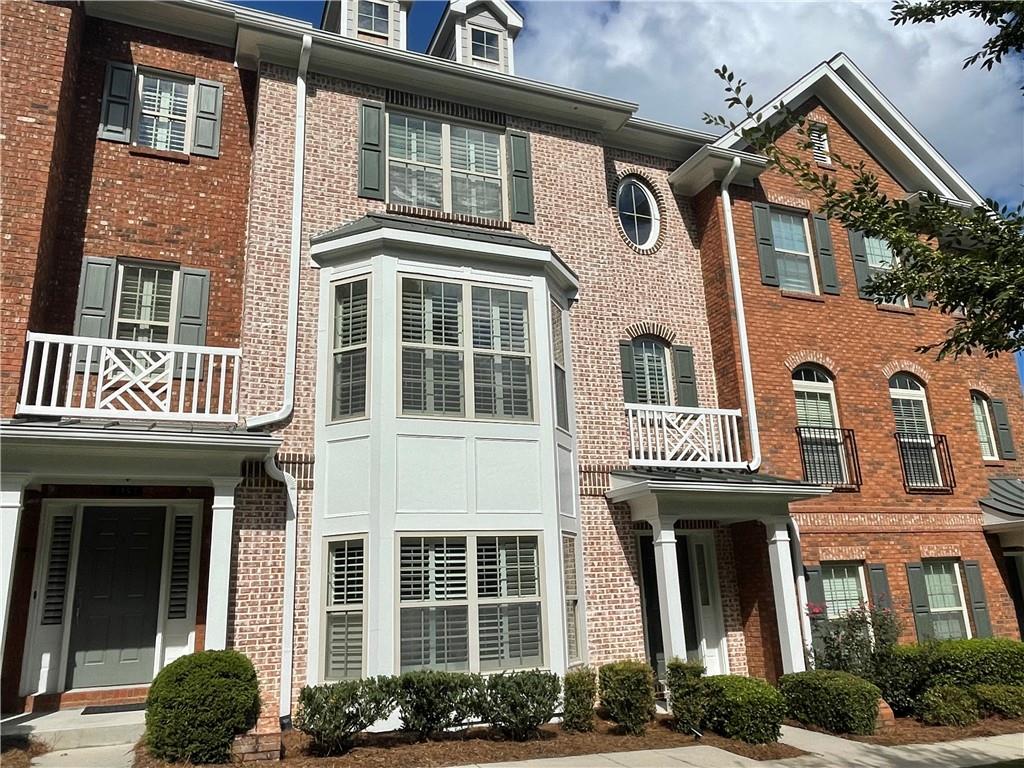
x=480, y=745
x=911, y=731
x=18, y=751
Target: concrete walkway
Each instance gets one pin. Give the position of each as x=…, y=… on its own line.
x=824, y=751
x=112, y=756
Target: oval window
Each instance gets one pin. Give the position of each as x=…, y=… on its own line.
x=638, y=212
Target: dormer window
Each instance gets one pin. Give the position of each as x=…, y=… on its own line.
x=485, y=45
x=373, y=17
x=819, y=144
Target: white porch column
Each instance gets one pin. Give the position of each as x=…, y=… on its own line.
x=787, y=607
x=221, y=535
x=12, y=487
x=669, y=598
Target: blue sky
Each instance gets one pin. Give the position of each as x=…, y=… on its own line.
x=661, y=55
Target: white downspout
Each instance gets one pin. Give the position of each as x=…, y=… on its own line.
x=270, y=420
x=741, y=318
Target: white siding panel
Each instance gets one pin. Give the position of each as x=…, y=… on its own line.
x=348, y=481
x=432, y=474
x=507, y=475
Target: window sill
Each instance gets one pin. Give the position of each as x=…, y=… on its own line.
x=894, y=308
x=453, y=218
x=825, y=166
x=802, y=296
x=994, y=463
x=160, y=154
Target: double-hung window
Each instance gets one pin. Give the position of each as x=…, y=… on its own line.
x=982, y=408
x=373, y=17
x=146, y=301
x=651, y=371
x=559, y=358
x=794, y=258
x=346, y=591
x=164, y=111
x=946, y=600
x=914, y=431
x=880, y=258
x=485, y=44
x=571, y=588
x=349, y=349
x=843, y=584
x=470, y=603
x=445, y=167
x=821, y=441
x=439, y=357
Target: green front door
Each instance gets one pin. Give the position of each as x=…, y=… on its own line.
x=117, y=592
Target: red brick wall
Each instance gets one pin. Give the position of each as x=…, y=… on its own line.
x=861, y=344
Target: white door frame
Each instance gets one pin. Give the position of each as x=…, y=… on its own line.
x=173, y=637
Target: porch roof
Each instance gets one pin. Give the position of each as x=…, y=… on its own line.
x=1003, y=508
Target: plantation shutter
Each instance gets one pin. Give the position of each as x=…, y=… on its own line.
x=432, y=376
x=628, y=373
x=979, y=605
x=826, y=255
x=816, y=605
x=919, y=601
x=371, y=150
x=520, y=177
x=510, y=632
x=1004, y=435
x=881, y=597
x=861, y=270
x=206, y=128
x=765, y=244
x=501, y=364
x=686, y=378
x=181, y=567
x=345, y=586
x=118, y=97
x=55, y=588
x=193, y=301
x=350, y=336
x=433, y=571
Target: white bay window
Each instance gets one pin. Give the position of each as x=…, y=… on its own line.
x=349, y=349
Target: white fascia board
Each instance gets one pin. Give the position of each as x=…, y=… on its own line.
x=380, y=240
x=509, y=16
x=793, y=492
x=823, y=78
x=25, y=433
x=658, y=139
x=710, y=163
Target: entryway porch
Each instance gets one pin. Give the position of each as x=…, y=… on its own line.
x=685, y=517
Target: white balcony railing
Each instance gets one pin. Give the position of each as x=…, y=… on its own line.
x=76, y=376
x=684, y=438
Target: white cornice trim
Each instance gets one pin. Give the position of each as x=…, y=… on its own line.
x=794, y=491
x=259, y=443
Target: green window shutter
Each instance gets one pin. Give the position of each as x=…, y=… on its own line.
x=861, y=270
x=919, y=601
x=371, y=150
x=193, y=303
x=1004, y=435
x=628, y=374
x=881, y=597
x=816, y=605
x=95, y=311
x=979, y=605
x=118, y=100
x=206, y=128
x=765, y=244
x=686, y=378
x=520, y=177
x=826, y=255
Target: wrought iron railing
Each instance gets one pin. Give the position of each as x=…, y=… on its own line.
x=926, y=463
x=829, y=457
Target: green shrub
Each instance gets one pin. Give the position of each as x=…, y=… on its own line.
x=332, y=714
x=982, y=660
x=578, y=704
x=519, y=703
x=627, y=694
x=744, y=708
x=433, y=702
x=849, y=643
x=1002, y=700
x=901, y=673
x=948, y=705
x=836, y=701
x=687, y=695
x=198, y=703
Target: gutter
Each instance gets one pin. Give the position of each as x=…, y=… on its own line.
x=269, y=420
x=741, y=318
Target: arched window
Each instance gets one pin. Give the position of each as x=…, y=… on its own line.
x=914, y=431
x=651, y=371
x=983, y=421
x=817, y=419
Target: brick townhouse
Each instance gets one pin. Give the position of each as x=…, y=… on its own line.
x=376, y=360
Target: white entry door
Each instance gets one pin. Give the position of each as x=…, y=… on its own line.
x=707, y=600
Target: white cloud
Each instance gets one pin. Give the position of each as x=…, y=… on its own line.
x=662, y=56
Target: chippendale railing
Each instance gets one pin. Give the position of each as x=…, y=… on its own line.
x=668, y=436
x=76, y=376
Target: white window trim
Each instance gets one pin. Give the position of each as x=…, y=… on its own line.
x=903, y=301
x=922, y=395
x=558, y=315
x=446, y=158
x=327, y=609
x=140, y=73
x=387, y=17
x=365, y=345
x=827, y=388
x=467, y=350
x=989, y=452
x=175, y=288
x=624, y=182
x=809, y=254
x=472, y=600
x=962, y=610
x=670, y=371
x=497, y=44
x=862, y=585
